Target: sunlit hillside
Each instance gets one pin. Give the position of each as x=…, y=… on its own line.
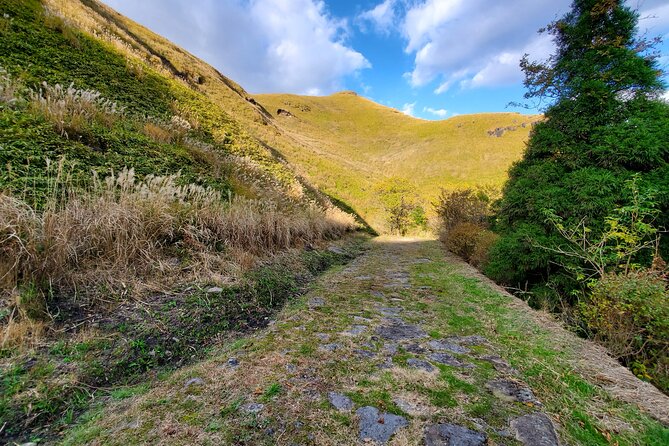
x=347, y=144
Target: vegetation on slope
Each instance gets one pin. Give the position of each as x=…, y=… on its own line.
x=582, y=215
x=349, y=146
x=139, y=219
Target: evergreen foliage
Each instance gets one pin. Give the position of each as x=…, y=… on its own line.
x=605, y=125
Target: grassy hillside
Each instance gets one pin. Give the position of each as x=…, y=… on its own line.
x=141, y=216
x=347, y=145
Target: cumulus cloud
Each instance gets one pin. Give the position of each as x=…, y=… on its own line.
x=381, y=17
x=442, y=113
x=409, y=109
x=290, y=46
x=475, y=43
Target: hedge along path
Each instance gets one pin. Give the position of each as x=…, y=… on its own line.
x=404, y=346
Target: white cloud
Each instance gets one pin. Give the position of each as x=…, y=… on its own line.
x=437, y=112
x=409, y=109
x=381, y=17
x=475, y=43
x=266, y=45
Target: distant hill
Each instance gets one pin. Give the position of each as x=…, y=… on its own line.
x=346, y=144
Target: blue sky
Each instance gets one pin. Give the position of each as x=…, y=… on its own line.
x=429, y=58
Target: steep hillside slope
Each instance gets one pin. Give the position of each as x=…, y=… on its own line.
x=347, y=145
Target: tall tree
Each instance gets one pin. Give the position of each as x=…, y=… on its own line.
x=605, y=123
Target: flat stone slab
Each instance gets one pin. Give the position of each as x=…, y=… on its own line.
x=467, y=340
x=378, y=427
x=364, y=353
x=448, y=346
x=415, y=348
x=336, y=250
x=420, y=364
x=398, y=330
x=499, y=364
x=316, y=302
x=330, y=347
x=356, y=330
x=508, y=390
x=378, y=294
x=453, y=435
x=535, y=429
x=253, y=407
x=446, y=359
x=390, y=311
x=340, y=402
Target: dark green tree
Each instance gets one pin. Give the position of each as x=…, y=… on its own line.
x=603, y=124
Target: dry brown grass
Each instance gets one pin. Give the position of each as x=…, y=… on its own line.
x=124, y=231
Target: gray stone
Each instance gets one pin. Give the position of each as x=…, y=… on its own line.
x=214, y=290
x=398, y=330
x=363, y=278
x=336, y=250
x=448, y=346
x=291, y=368
x=361, y=319
x=356, y=330
x=453, y=435
x=446, y=359
x=316, y=302
x=232, y=362
x=390, y=311
x=330, y=347
x=415, y=348
x=535, y=429
x=378, y=294
x=364, y=353
x=323, y=336
x=511, y=391
x=499, y=364
x=378, y=427
x=340, y=402
x=390, y=348
x=468, y=340
x=424, y=260
x=420, y=364
x=253, y=407
x=194, y=382
x=386, y=364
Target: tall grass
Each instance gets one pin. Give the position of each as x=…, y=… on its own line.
x=124, y=229
x=71, y=109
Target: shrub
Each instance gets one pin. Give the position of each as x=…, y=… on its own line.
x=462, y=206
x=461, y=239
x=484, y=243
x=470, y=241
x=629, y=314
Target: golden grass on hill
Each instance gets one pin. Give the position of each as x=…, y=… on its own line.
x=346, y=145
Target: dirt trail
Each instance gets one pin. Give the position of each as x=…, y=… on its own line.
x=404, y=346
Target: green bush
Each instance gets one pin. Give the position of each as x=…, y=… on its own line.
x=629, y=314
